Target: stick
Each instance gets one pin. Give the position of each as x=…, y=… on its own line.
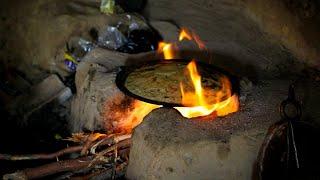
x=67, y=150
x=108, y=141
x=122, y=144
x=114, y=165
x=103, y=174
x=53, y=168
x=90, y=140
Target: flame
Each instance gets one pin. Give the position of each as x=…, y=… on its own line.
x=196, y=99
x=184, y=35
x=223, y=102
x=122, y=114
x=190, y=35
x=166, y=49
x=223, y=108
x=140, y=110
x=127, y=114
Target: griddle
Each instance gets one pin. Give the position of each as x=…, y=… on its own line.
x=209, y=69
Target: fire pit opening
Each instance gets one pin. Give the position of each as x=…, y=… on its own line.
x=136, y=89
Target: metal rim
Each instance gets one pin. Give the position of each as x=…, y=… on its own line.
x=125, y=71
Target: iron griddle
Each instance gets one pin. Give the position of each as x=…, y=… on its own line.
x=126, y=70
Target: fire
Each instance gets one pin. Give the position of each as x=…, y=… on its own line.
x=223, y=104
x=127, y=113
x=197, y=101
x=140, y=110
x=122, y=113
x=166, y=49
x=184, y=35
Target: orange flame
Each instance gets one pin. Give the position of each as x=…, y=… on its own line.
x=184, y=35
x=140, y=110
x=196, y=99
x=223, y=103
x=166, y=49
x=122, y=113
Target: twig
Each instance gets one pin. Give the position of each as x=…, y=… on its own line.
x=90, y=140
x=122, y=144
x=67, y=150
x=108, y=141
x=121, y=138
x=103, y=174
x=94, y=147
x=53, y=168
x=114, y=165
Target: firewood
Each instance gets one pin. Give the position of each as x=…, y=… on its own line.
x=68, y=150
x=104, y=174
x=90, y=140
x=53, y=168
x=71, y=165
